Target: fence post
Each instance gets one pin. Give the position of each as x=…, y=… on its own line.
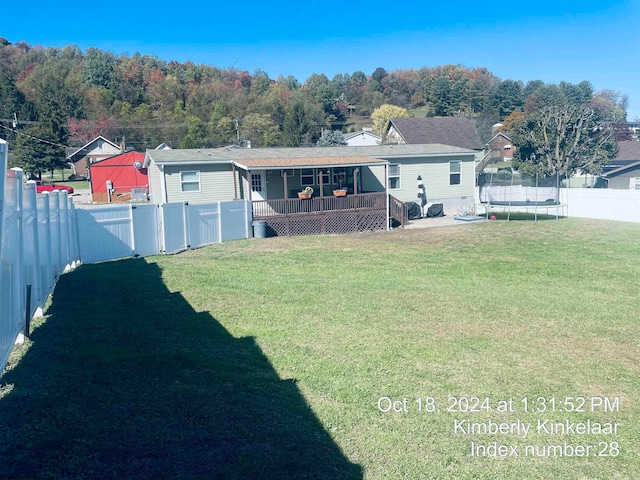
x=3, y=173
x=32, y=257
x=133, y=233
x=54, y=211
x=45, y=238
x=185, y=219
x=219, y=222
x=17, y=174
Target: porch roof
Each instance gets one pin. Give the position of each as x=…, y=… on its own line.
x=306, y=162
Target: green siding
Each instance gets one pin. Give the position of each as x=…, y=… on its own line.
x=622, y=181
x=216, y=183
x=435, y=176
x=372, y=179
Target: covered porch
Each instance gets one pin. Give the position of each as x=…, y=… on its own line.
x=350, y=194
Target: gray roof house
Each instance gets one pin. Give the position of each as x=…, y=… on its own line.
x=353, y=180
x=454, y=131
x=624, y=171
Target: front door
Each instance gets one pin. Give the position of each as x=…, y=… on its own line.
x=258, y=185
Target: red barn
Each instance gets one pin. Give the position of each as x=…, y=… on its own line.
x=124, y=172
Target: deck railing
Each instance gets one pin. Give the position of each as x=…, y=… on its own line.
x=398, y=211
x=294, y=206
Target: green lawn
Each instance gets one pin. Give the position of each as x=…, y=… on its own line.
x=268, y=359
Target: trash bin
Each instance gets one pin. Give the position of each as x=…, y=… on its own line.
x=259, y=229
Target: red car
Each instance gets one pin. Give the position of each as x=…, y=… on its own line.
x=43, y=186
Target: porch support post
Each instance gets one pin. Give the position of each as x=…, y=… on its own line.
x=355, y=180
x=286, y=188
x=319, y=171
x=250, y=187
x=235, y=181
x=386, y=190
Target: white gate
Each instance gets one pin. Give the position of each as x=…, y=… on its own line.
x=117, y=231
x=121, y=231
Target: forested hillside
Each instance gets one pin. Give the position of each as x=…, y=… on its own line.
x=67, y=97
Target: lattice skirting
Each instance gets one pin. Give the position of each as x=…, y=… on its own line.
x=325, y=223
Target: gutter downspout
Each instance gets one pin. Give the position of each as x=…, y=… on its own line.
x=235, y=180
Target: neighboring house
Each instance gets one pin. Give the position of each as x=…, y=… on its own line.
x=97, y=149
x=634, y=128
x=454, y=131
x=125, y=175
x=501, y=147
x=362, y=138
x=265, y=174
x=624, y=171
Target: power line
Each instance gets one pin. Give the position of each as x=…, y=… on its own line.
x=34, y=138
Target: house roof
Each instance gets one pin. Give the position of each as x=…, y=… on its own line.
x=628, y=150
x=347, y=136
x=302, y=157
x=73, y=151
x=499, y=134
x=623, y=169
x=123, y=159
x=455, y=131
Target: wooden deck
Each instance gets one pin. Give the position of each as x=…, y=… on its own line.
x=328, y=215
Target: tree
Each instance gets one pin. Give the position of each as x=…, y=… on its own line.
x=331, y=138
x=196, y=136
x=302, y=121
x=260, y=130
x=511, y=121
x=380, y=117
x=562, y=139
x=610, y=105
x=36, y=151
x=440, y=95
x=378, y=74
x=98, y=68
x=507, y=97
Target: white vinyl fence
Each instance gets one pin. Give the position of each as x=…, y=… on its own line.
x=38, y=241
x=603, y=203
x=124, y=231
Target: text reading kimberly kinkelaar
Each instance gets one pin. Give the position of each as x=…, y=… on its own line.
x=554, y=437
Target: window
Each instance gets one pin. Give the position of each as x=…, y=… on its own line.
x=324, y=176
x=339, y=175
x=190, y=181
x=256, y=182
x=394, y=176
x=307, y=177
x=455, y=169
x=636, y=181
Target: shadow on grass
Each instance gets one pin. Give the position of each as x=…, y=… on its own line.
x=126, y=380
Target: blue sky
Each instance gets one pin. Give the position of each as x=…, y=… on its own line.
x=527, y=40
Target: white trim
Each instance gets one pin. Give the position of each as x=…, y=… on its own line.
x=398, y=176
